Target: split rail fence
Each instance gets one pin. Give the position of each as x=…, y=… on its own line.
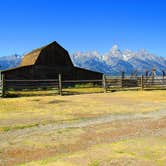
x=108, y=83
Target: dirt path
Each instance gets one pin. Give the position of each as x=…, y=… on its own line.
x=79, y=123
x=102, y=129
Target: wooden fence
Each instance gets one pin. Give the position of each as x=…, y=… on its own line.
x=58, y=84
x=107, y=83
x=136, y=82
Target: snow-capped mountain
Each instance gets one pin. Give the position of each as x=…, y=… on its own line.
x=90, y=60
x=9, y=61
x=112, y=62
x=115, y=60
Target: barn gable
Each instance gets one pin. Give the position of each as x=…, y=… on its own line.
x=52, y=54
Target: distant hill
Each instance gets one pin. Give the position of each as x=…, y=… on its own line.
x=112, y=62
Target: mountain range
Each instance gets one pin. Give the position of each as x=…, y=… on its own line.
x=111, y=63
x=114, y=61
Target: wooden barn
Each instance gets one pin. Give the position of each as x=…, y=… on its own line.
x=46, y=63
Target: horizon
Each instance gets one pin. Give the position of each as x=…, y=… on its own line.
x=86, y=51
x=83, y=26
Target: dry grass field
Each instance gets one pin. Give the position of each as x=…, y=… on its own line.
x=100, y=129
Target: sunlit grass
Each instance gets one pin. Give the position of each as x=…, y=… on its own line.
x=23, y=112
x=143, y=150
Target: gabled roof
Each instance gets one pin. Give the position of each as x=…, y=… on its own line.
x=36, y=56
x=31, y=57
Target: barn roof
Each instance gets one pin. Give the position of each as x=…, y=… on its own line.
x=31, y=57
x=15, y=68
x=51, y=54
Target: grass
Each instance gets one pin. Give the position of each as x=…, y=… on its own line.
x=132, y=142
x=82, y=90
x=8, y=128
x=60, y=138
x=24, y=112
x=140, y=151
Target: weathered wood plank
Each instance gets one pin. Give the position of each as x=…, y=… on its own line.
x=60, y=84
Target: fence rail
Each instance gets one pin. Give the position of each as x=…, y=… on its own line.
x=80, y=81
x=107, y=83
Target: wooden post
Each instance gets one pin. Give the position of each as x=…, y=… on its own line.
x=153, y=75
x=122, y=78
x=104, y=84
x=142, y=82
x=146, y=73
x=3, y=85
x=60, y=84
x=163, y=72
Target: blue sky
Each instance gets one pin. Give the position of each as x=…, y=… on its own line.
x=82, y=25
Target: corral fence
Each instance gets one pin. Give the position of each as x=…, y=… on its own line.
x=108, y=83
x=142, y=82
x=58, y=85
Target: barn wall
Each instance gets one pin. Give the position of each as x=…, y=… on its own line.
x=51, y=72
x=21, y=73
x=82, y=74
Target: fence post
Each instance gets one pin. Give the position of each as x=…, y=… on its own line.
x=163, y=73
x=142, y=82
x=104, y=84
x=122, y=78
x=60, y=84
x=3, y=85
